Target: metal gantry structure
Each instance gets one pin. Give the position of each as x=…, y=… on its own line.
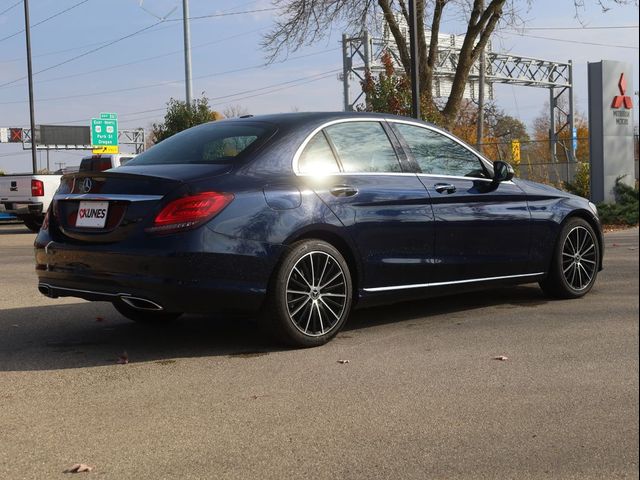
x=133, y=137
x=362, y=53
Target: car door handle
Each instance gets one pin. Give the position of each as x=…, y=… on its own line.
x=343, y=191
x=445, y=187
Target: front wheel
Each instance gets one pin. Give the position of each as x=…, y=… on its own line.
x=149, y=317
x=575, y=262
x=310, y=295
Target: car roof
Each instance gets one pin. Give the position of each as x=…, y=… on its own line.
x=312, y=118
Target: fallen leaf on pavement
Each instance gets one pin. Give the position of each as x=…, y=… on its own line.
x=502, y=358
x=343, y=361
x=79, y=468
x=124, y=358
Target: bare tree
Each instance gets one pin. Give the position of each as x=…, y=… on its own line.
x=304, y=22
x=234, y=111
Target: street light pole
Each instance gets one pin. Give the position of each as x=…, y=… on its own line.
x=415, y=66
x=187, y=49
x=27, y=31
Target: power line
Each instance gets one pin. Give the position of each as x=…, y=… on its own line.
x=137, y=61
x=228, y=14
x=45, y=20
x=251, y=93
x=80, y=47
x=85, y=53
x=169, y=82
x=321, y=77
x=609, y=27
x=128, y=36
x=11, y=7
x=172, y=25
x=572, y=41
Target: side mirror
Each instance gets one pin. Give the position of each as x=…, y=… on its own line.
x=502, y=171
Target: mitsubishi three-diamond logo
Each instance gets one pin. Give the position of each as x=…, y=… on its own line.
x=622, y=99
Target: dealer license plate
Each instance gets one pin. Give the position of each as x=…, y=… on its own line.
x=92, y=214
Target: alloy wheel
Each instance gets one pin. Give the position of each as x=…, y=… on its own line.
x=316, y=293
x=579, y=258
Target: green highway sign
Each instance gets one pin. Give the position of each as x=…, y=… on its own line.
x=104, y=130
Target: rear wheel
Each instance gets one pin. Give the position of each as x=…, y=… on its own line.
x=575, y=262
x=310, y=295
x=144, y=316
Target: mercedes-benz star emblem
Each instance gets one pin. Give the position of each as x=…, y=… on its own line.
x=86, y=185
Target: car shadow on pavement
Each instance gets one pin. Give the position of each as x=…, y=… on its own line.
x=505, y=297
x=92, y=334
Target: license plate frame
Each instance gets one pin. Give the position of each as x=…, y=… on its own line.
x=92, y=214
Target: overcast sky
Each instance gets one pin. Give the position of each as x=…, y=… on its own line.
x=136, y=76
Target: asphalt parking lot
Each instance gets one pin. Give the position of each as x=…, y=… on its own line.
x=421, y=396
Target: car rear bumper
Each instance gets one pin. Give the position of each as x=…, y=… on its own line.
x=23, y=208
x=232, y=276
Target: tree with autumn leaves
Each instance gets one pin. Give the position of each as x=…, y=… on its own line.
x=390, y=92
x=304, y=22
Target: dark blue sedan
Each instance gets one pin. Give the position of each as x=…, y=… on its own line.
x=301, y=217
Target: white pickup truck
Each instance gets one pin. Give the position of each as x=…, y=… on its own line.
x=28, y=196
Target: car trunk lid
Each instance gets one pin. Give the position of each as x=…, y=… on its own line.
x=110, y=206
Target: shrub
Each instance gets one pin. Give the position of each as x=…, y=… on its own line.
x=625, y=210
x=580, y=186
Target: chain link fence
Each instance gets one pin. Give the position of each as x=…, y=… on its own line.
x=535, y=159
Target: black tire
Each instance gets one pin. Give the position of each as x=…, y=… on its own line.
x=147, y=317
x=310, y=295
x=33, y=223
x=575, y=262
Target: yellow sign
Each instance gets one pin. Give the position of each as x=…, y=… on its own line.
x=515, y=151
x=106, y=149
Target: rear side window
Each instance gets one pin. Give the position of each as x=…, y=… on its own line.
x=317, y=157
x=223, y=142
x=363, y=147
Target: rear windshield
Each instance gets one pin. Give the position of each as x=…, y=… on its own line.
x=209, y=143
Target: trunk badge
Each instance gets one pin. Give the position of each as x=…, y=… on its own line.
x=86, y=185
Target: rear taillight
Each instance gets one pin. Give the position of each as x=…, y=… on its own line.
x=37, y=188
x=189, y=212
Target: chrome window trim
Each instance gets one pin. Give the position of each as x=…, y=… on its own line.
x=110, y=196
x=358, y=174
x=455, y=282
x=472, y=179
x=303, y=145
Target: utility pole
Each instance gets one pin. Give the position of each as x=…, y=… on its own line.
x=187, y=49
x=415, y=65
x=480, y=126
x=27, y=31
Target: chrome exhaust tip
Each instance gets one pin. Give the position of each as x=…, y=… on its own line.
x=141, y=303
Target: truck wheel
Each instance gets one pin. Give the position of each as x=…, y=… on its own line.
x=33, y=223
